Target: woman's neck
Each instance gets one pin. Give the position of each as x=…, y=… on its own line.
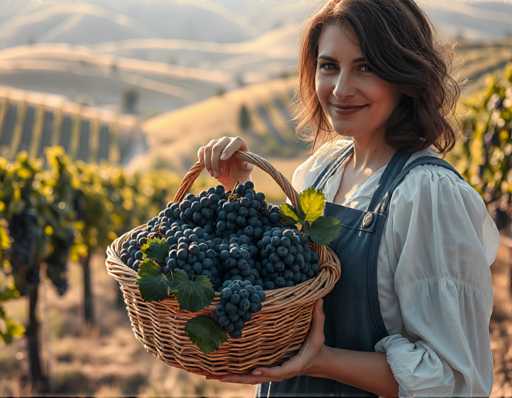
x=370, y=154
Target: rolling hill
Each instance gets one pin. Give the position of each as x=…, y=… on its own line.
x=89, y=22
x=94, y=21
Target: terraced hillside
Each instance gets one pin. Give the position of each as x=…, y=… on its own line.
x=473, y=61
x=31, y=122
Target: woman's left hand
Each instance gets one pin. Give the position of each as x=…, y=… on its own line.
x=307, y=358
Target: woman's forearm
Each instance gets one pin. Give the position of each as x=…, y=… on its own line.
x=368, y=371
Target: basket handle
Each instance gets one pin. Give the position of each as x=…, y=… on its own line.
x=249, y=157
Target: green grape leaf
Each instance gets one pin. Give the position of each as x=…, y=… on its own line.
x=205, y=333
x=8, y=293
x=312, y=204
x=156, y=250
x=153, y=285
x=193, y=295
x=9, y=328
x=324, y=230
x=12, y=330
x=289, y=213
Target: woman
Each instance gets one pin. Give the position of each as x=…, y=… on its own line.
x=410, y=315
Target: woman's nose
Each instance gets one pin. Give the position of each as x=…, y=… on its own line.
x=343, y=85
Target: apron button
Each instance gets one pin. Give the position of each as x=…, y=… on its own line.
x=367, y=220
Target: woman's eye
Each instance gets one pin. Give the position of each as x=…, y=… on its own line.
x=365, y=68
x=327, y=66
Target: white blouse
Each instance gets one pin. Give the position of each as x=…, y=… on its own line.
x=434, y=281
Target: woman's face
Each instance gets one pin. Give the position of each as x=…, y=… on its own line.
x=343, y=79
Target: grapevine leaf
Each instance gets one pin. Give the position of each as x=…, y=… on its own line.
x=312, y=204
x=12, y=329
x=192, y=295
x=156, y=250
x=289, y=212
x=324, y=230
x=153, y=285
x=8, y=294
x=205, y=333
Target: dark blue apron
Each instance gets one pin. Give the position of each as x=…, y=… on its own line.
x=353, y=318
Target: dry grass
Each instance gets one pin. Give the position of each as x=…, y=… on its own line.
x=175, y=137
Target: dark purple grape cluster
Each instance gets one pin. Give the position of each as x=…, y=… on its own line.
x=24, y=233
x=131, y=253
x=239, y=300
x=286, y=258
x=231, y=235
x=197, y=210
x=227, y=236
x=246, y=212
x=193, y=251
x=238, y=256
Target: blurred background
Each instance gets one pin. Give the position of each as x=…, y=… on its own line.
x=129, y=90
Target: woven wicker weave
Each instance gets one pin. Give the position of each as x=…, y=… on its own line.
x=272, y=335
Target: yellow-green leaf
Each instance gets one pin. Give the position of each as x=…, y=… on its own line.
x=312, y=204
x=289, y=212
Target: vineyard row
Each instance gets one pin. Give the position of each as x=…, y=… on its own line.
x=33, y=127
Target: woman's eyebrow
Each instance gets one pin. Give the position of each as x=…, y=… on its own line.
x=330, y=59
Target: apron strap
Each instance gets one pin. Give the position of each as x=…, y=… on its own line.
x=392, y=170
x=424, y=160
x=332, y=167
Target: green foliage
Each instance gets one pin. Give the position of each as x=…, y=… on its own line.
x=193, y=295
x=484, y=157
x=205, y=333
x=156, y=249
x=9, y=329
x=289, y=214
x=311, y=204
x=309, y=215
x=323, y=229
x=153, y=285
x=70, y=209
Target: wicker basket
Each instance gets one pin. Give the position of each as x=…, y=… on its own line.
x=273, y=334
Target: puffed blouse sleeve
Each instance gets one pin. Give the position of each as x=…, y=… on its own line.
x=443, y=241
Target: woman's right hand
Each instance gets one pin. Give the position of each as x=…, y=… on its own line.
x=217, y=158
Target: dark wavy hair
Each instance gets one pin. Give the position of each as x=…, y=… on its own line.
x=396, y=38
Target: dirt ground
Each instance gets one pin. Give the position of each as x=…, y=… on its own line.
x=107, y=360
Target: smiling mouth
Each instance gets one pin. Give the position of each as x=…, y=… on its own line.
x=348, y=108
